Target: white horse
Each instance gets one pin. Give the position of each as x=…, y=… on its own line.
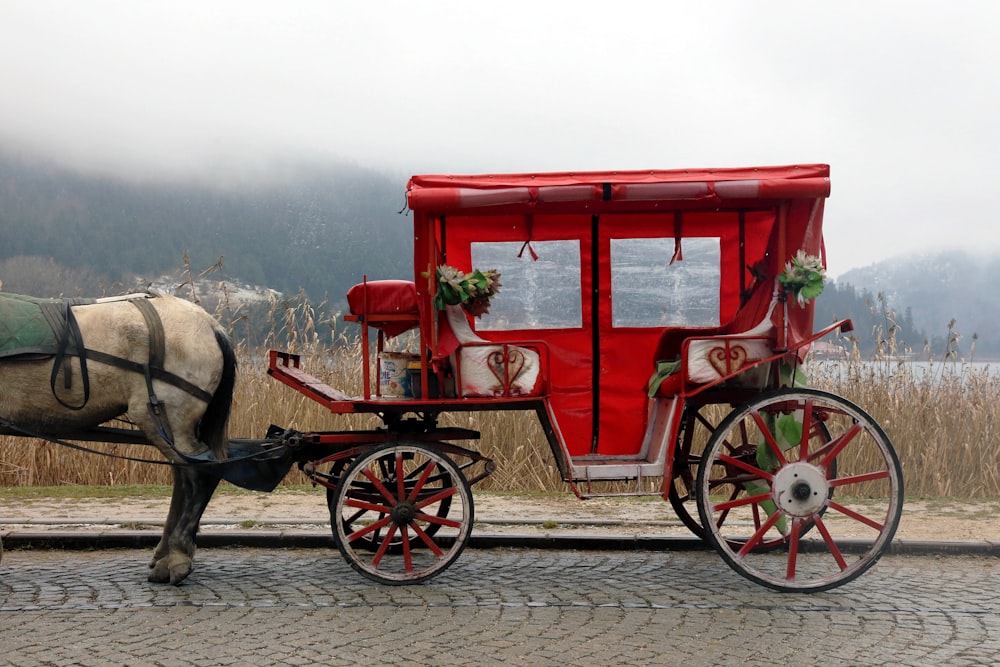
x=162, y=362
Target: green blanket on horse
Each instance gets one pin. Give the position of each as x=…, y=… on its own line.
x=30, y=325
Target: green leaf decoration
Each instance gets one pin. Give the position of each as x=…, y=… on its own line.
x=788, y=432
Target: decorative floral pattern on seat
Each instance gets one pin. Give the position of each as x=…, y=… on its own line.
x=711, y=356
x=482, y=365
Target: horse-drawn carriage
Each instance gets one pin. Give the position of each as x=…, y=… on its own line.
x=655, y=323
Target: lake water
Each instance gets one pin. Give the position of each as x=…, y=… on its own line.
x=917, y=370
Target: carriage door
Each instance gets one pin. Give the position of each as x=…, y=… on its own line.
x=645, y=284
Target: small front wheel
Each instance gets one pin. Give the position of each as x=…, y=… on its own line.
x=767, y=476
x=401, y=513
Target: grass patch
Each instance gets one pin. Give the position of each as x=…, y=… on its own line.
x=77, y=491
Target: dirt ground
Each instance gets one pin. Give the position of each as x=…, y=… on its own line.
x=944, y=520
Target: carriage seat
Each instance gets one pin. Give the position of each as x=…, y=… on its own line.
x=388, y=305
x=699, y=355
x=486, y=369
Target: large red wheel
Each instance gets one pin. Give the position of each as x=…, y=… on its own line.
x=767, y=476
x=402, y=513
x=695, y=431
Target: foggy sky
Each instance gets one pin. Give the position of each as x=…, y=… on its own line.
x=899, y=97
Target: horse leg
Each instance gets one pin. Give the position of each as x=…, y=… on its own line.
x=193, y=488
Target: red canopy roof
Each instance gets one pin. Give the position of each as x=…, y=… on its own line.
x=610, y=190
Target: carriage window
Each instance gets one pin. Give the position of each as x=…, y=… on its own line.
x=542, y=294
x=648, y=291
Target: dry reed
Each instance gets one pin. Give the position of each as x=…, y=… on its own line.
x=940, y=419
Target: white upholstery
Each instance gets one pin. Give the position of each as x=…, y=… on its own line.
x=481, y=364
x=709, y=359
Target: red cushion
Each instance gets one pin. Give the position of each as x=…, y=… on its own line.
x=386, y=297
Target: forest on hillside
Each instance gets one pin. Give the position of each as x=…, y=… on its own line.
x=316, y=230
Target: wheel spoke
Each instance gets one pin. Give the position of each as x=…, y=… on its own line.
x=386, y=493
x=427, y=540
x=424, y=476
x=407, y=554
x=857, y=516
x=830, y=451
x=758, y=535
x=439, y=520
x=364, y=505
x=437, y=497
x=857, y=479
x=375, y=525
x=807, y=432
x=793, y=549
x=400, y=477
x=831, y=543
x=384, y=546
x=742, y=465
x=769, y=438
x=741, y=502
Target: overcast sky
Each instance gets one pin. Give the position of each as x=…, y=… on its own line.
x=900, y=98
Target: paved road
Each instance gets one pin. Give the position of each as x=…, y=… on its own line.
x=492, y=607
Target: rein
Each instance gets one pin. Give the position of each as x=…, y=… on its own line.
x=14, y=428
x=283, y=442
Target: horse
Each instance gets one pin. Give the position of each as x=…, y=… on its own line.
x=158, y=361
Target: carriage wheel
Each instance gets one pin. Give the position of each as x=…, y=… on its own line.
x=766, y=477
x=691, y=440
x=373, y=540
x=402, y=513
x=685, y=470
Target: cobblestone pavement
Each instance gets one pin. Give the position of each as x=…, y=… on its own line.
x=492, y=607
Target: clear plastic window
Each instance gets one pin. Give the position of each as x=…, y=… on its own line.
x=648, y=291
x=542, y=294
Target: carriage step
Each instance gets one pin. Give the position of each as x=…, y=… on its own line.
x=612, y=470
x=285, y=367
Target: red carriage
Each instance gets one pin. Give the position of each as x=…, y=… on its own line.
x=656, y=323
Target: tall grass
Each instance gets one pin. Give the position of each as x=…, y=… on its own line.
x=942, y=419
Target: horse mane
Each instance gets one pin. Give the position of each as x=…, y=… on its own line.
x=214, y=427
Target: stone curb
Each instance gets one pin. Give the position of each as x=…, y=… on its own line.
x=306, y=539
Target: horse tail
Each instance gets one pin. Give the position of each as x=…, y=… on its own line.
x=214, y=428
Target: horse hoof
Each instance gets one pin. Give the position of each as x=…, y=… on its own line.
x=179, y=574
x=158, y=574
x=170, y=570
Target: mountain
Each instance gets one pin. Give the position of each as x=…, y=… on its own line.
x=311, y=228
x=946, y=293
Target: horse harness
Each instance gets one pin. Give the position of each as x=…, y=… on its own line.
x=70, y=343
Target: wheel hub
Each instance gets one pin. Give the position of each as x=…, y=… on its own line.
x=800, y=489
x=403, y=513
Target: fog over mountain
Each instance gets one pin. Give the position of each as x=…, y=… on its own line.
x=938, y=288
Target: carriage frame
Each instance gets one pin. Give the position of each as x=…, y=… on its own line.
x=798, y=489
